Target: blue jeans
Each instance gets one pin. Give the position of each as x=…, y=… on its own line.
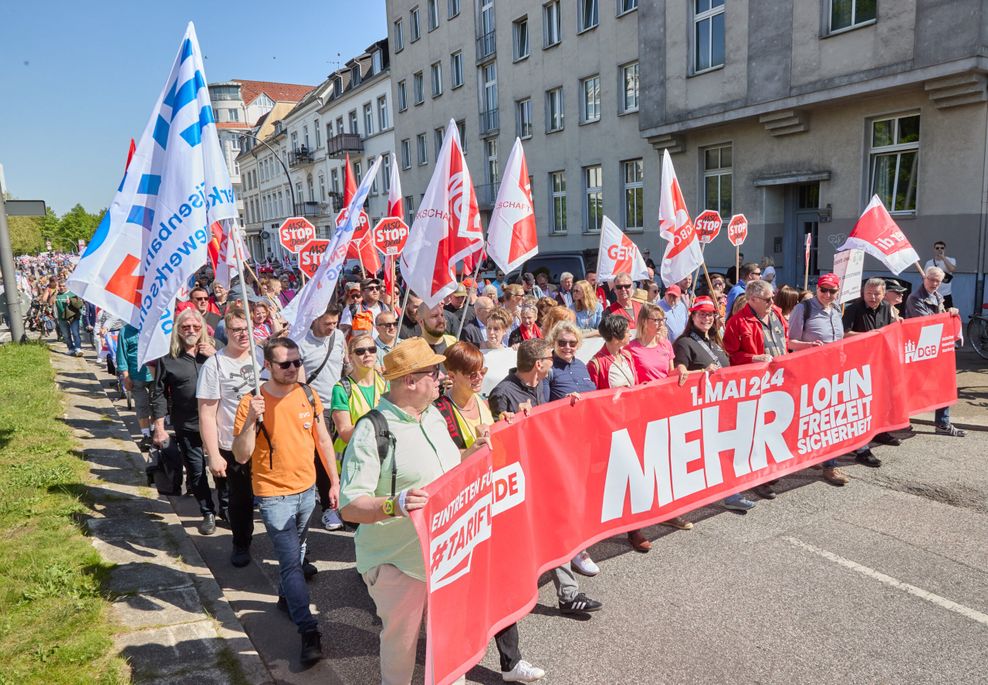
x=286, y=518
x=70, y=334
x=942, y=417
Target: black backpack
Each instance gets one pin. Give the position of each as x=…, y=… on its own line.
x=385, y=441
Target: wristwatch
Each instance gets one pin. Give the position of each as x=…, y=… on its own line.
x=389, y=506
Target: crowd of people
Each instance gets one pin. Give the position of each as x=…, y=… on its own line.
x=376, y=402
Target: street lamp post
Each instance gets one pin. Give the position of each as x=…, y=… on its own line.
x=291, y=188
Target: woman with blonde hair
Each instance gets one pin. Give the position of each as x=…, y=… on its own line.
x=651, y=350
x=587, y=307
x=556, y=315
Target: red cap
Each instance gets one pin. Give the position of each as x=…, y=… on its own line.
x=828, y=281
x=469, y=283
x=674, y=290
x=702, y=304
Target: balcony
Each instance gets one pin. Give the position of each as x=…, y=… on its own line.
x=299, y=156
x=489, y=123
x=344, y=143
x=486, y=195
x=486, y=46
x=310, y=209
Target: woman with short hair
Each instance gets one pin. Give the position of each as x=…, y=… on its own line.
x=499, y=322
x=528, y=328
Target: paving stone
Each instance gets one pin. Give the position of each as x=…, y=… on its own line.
x=126, y=528
x=172, y=650
x=161, y=608
x=146, y=577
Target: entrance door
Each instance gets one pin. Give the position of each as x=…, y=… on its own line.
x=802, y=217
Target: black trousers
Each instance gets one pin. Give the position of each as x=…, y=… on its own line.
x=506, y=642
x=197, y=479
x=322, y=478
x=237, y=497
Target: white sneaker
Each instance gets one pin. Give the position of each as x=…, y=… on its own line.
x=331, y=520
x=584, y=565
x=523, y=672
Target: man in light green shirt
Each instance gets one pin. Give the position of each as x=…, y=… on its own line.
x=379, y=494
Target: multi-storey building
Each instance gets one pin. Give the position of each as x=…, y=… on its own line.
x=562, y=78
x=237, y=105
x=294, y=164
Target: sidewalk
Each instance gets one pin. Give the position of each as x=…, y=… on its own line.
x=176, y=624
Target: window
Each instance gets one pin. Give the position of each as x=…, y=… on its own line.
x=382, y=113
x=399, y=36
x=318, y=134
x=402, y=96
x=523, y=118
x=490, y=168
x=589, y=16
x=357, y=174
x=423, y=153
x=386, y=172
x=368, y=119
x=295, y=140
x=353, y=122
x=895, y=162
x=593, y=189
x=557, y=201
x=629, y=87
x=409, y=209
x=433, y=6
x=233, y=114
x=418, y=88
x=339, y=125
x=551, y=24
x=334, y=180
x=456, y=70
x=625, y=6
x=847, y=13
x=436, y=74
x=554, y=110
x=634, y=194
x=461, y=127
x=453, y=7
x=413, y=23
x=437, y=136
x=590, y=109
x=519, y=31
x=708, y=34
x=718, y=179
x=406, y=154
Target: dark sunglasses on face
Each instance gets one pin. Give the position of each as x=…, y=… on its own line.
x=623, y=287
x=284, y=366
x=829, y=291
x=434, y=372
x=371, y=287
x=566, y=343
x=200, y=299
x=388, y=324
x=361, y=351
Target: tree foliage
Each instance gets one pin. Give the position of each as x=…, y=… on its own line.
x=29, y=234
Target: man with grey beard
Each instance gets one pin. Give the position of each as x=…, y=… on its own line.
x=175, y=378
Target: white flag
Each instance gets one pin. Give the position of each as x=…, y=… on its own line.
x=446, y=227
x=511, y=234
x=311, y=302
x=877, y=234
x=618, y=254
x=683, y=254
x=156, y=232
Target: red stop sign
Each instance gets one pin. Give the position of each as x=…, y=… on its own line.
x=310, y=256
x=295, y=233
x=363, y=221
x=737, y=230
x=707, y=226
x=390, y=235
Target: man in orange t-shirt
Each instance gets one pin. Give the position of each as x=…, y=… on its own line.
x=283, y=473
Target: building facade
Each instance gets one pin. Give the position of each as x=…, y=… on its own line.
x=294, y=163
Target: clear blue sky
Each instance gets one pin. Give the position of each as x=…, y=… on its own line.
x=79, y=79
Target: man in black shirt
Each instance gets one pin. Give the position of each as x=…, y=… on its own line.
x=175, y=378
x=869, y=313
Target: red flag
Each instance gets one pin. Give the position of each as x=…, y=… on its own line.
x=130, y=153
x=877, y=234
x=361, y=246
x=511, y=235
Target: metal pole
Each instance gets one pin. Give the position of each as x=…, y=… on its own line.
x=250, y=325
x=14, y=314
x=404, y=303
x=463, y=316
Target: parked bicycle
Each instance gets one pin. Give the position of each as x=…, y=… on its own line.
x=977, y=333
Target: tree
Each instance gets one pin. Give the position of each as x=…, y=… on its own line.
x=25, y=234
x=75, y=224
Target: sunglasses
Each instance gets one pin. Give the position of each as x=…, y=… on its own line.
x=829, y=291
x=284, y=366
x=658, y=319
x=371, y=287
x=566, y=343
x=200, y=299
x=361, y=351
x=433, y=372
x=623, y=287
x=388, y=324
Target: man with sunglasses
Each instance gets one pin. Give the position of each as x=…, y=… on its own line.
x=386, y=334
x=199, y=297
x=624, y=305
x=370, y=301
x=277, y=431
x=750, y=271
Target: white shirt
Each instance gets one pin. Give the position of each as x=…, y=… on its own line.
x=313, y=351
x=227, y=380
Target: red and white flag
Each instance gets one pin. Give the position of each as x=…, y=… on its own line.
x=617, y=254
x=396, y=208
x=361, y=246
x=446, y=227
x=683, y=254
x=878, y=235
x=226, y=251
x=511, y=235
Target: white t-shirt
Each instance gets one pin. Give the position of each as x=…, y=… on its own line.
x=944, y=288
x=313, y=351
x=227, y=380
x=346, y=319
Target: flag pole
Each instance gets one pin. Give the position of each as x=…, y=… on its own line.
x=463, y=316
x=806, y=275
x=401, y=314
x=737, y=263
x=250, y=332
x=919, y=268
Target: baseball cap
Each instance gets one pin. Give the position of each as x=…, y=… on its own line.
x=828, y=281
x=674, y=290
x=895, y=286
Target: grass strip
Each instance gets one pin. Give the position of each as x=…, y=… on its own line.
x=54, y=625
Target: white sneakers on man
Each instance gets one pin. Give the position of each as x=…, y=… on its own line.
x=331, y=520
x=523, y=672
x=584, y=565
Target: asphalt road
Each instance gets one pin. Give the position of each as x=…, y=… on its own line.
x=882, y=581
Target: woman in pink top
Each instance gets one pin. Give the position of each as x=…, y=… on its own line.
x=651, y=349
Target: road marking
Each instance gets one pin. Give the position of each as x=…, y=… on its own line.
x=943, y=602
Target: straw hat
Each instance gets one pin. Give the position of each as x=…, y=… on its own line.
x=409, y=356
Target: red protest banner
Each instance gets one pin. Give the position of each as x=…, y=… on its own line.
x=618, y=460
x=707, y=226
x=295, y=232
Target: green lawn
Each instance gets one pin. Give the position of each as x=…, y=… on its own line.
x=54, y=625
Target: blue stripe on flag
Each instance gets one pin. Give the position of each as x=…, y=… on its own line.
x=142, y=216
x=122, y=181
x=186, y=50
x=187, y=92
x=170, y=95
x=149, y=184
x=193, y=134
x=160, y=134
